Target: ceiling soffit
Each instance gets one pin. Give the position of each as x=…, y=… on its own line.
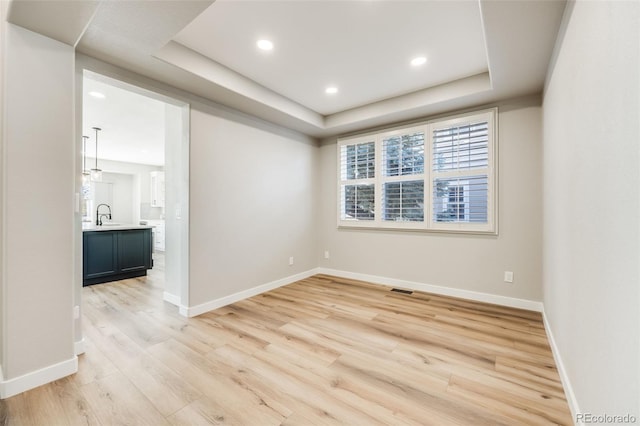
x=518, y=38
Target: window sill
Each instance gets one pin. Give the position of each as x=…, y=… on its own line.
x=405, y=227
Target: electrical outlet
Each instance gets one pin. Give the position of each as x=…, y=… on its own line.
x=508, y=276
x=326, y=254
x=76, y=312
x=291, y=261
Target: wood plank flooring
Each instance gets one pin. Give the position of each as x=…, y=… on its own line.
x=321, y=351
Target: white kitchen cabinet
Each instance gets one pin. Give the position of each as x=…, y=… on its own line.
x=158, y=230
x=157, y=189
x=159, y=236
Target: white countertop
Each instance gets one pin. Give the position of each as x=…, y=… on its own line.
x=120, y=227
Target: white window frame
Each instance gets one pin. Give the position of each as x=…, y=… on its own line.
x=382, y=179
x=355, y=223
x=429, y=176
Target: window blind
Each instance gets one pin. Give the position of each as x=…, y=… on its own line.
x=459, y=150
x=359, y=161
x=461, y=199
x=403, y=201
x=461, y=147
x=439, y=175
x=358, y=170
x=403, y=154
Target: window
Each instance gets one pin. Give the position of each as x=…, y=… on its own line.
x=403, y=164
x=357, y=173
x=437, y=176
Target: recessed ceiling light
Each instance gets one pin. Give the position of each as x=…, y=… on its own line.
x=264, y=44
x=97, y=95
x=419, y=60
x=331, y=90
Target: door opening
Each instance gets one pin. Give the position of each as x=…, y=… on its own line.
x=143, y=157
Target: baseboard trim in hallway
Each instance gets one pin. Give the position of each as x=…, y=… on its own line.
x=11, y=387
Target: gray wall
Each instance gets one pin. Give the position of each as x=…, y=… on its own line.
x=466, y=262
x=592, y=205
x=252, y=196
x=252, y=191
x=37, y=210
x=3, y=24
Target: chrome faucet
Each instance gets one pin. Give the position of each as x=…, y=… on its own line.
x=100, y=216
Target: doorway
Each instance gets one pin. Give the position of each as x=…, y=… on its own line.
x=142, y=151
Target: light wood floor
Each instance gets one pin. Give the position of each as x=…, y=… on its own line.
x=320, y=351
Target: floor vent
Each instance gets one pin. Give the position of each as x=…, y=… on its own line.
x=399, y=290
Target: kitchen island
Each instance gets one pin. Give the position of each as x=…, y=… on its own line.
x=115, y=252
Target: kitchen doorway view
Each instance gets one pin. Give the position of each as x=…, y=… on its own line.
x=133, y=194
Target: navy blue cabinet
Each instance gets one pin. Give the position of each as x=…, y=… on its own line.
x=115, y=255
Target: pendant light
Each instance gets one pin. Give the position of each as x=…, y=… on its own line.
x=86, y=176
x=96, y=173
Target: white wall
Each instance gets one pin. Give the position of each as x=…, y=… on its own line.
x=466, y=262
x=176, y=202
x=592, y=205
x=253, y=188
x=38, y=174
x=120, y=197
x=141, y=187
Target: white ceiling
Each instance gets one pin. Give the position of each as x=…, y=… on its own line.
x=133, y=125
x=479, y=51
x=362, y=47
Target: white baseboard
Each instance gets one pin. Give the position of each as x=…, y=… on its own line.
x=175, y=300
x=171, y=298
x=37, y=378
x=78, y=347
x=564, y=377
x=495, y=299
x=193, y=311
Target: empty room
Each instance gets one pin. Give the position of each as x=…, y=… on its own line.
x=364, y=212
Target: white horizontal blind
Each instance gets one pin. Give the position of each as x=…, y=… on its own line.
x=403, y=201
x=402, y=195
x=357, y=186
x=461, y=147
x=461, y=199
x=461, y=171
x=359, y=161
x=404, y=154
